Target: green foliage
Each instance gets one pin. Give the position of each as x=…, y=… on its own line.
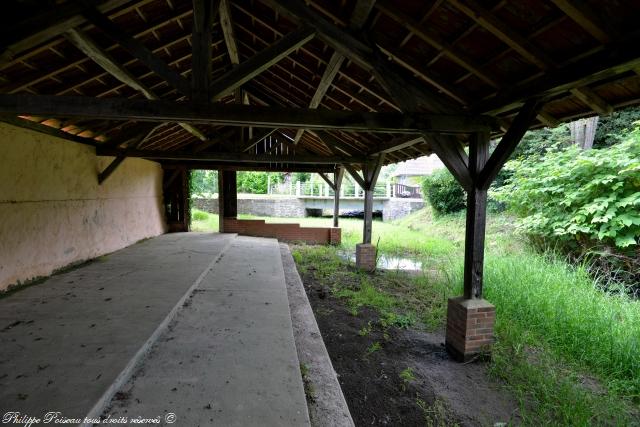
x=575, y=196
x=537, y=143
x=614, y=128
x=443, y=192
x=256, y=182
x=203, y=182
x=198, y=215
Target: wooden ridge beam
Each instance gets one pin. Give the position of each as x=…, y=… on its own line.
x=138, y=50
x=240, y=115
x=258, y=63
x=224, y=157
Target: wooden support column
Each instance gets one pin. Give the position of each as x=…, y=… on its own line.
x=365, y=251
x=339, y=173
x=176, y=199
x=227, y=196
x=476, y=218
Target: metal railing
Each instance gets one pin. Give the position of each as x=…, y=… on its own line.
x=349, y=189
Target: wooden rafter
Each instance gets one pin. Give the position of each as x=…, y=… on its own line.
x=138, y=50
x=204, y=12
x=228, y=33
x=582, y=14
x=258, y=63
x=83, y=42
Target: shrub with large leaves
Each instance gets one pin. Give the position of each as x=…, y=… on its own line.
x=576, y=196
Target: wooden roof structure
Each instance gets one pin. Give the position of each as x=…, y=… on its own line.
x=308, y=85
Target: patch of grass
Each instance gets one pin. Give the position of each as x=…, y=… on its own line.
x=569, y=351
x=365, y=330
x=306, y=382
x=435, y=415
x=375, y=346
x=200, y=222
x=407, y=377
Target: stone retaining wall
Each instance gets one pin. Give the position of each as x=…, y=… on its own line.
x=272, y=207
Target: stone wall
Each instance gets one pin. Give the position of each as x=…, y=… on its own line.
x=53, y=213
x=398, y=208
x=259, y=206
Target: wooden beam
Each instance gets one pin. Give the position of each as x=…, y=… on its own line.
x=138, y=50
x=327, y=180
x=106, y=173
x=622, y=57
x=584, y=16
x=258, y=63
x=360, y=14
x=223, y=157
x=508, y=144
x=396, y=144
x=488, y=21
x=239, y=115
x=337, y=179
x=176, y=173
x=357, y=50
x=330, y=72
x=101, y=57
x=228, y=33
x=547, y=119
x=256, y=139
x=355, y=175
x=45, y=26
x=238, y=166
x=593, y=100
x=334, y=143
x=435, y=40
x=476, y=220
x=203, y=17
x=46, y=130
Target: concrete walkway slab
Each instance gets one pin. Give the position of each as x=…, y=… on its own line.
x=64, y=342
x=229, y=356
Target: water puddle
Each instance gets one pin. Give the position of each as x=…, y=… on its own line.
x=387, y=262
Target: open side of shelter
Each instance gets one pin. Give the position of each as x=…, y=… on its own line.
x=314, y=86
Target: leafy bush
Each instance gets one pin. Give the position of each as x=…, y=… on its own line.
x=613, y=129
x=443, y=192
x=198, y=215
x=583, y=202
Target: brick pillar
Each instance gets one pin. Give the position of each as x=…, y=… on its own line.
x=335, y=235
x=469, y=328
x=366, y=256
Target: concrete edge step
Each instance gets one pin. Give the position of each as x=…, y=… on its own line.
x=330, y=407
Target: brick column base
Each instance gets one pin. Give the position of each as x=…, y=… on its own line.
x=366, y=256
x=335, y=235
x=469, y=328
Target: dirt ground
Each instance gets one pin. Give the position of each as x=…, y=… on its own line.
x=403, y=376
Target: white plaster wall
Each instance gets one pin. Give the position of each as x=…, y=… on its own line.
x=53, y=212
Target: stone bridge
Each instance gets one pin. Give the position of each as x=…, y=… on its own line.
x=301, y=206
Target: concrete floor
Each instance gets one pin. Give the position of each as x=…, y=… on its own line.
x=192, y=324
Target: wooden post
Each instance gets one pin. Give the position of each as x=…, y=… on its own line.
x=476, y=218
x=368, y=216
x=337, y=176
x=227, y=196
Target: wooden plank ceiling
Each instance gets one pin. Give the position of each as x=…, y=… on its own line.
x=458, y=57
